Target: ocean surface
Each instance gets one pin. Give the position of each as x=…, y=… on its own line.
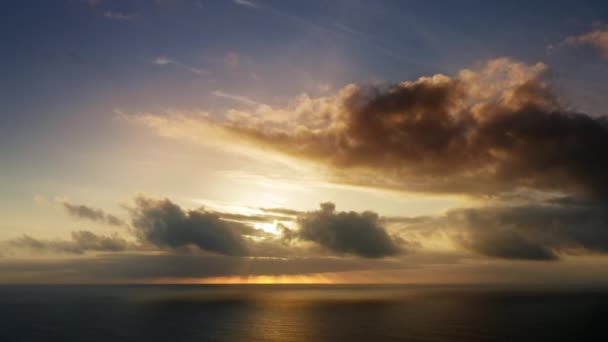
x=314, y=313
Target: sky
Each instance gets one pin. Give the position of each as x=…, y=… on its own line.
x=238, y=141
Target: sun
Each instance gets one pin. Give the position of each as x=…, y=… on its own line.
x=268, y=227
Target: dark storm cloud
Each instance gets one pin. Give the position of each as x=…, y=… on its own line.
x=347, y=232
x=165, y=224
x=486, y=131
x=93, y=214
x=81, y=241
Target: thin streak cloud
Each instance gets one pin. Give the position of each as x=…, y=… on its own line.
x=245, y=3
x=234, y=97
x=163, y=61
x=89, y=213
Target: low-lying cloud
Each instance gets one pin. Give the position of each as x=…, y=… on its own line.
x=165, y=224
x=554, y=229
x=347, y=232
x=539, y=232
x=545, y=231
x=81, y=241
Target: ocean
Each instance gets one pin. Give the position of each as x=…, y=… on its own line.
x=306, y=313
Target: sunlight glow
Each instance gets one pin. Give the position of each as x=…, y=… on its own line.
x=260, y=279
x=268, y=227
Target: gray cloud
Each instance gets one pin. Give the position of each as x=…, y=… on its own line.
x=506, y=243
x=347, y=232
x=90, y=213
x=81, y=242
x=545, y=230
x=164, y=224
x=534, y=231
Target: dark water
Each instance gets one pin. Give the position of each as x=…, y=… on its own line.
x=299, y=313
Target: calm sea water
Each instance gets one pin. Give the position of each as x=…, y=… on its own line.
x=299, y=313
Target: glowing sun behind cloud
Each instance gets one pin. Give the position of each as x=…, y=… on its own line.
x=268, y=227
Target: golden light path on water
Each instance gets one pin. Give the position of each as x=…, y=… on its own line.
x=254, y=279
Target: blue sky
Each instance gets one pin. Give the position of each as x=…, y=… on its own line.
x=60, y=48
x=72, y=62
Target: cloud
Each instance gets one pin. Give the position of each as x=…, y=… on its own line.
x=162, y=226
x=238, y=98
x=162, y=61
x=81, y=241
x=93, y=214
x=165, y=224
x=131, y=267
x=112, y=15
x=245, y=3
x=491, y=130
x=547, y=230
x=347, y=232
x=534, y=231
x=505, y=242
x=597, y=38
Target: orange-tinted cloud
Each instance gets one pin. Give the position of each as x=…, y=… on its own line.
x=495, y=129
x=597, y=38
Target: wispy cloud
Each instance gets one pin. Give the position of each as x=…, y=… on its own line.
x=112, y=15
x=245, y=3
x=237, y=98
x=81, y=241
x=597, y=38
x=162, y=61
x=90, y=213
x=342, y=31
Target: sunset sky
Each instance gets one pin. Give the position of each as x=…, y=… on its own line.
x=229, y=141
